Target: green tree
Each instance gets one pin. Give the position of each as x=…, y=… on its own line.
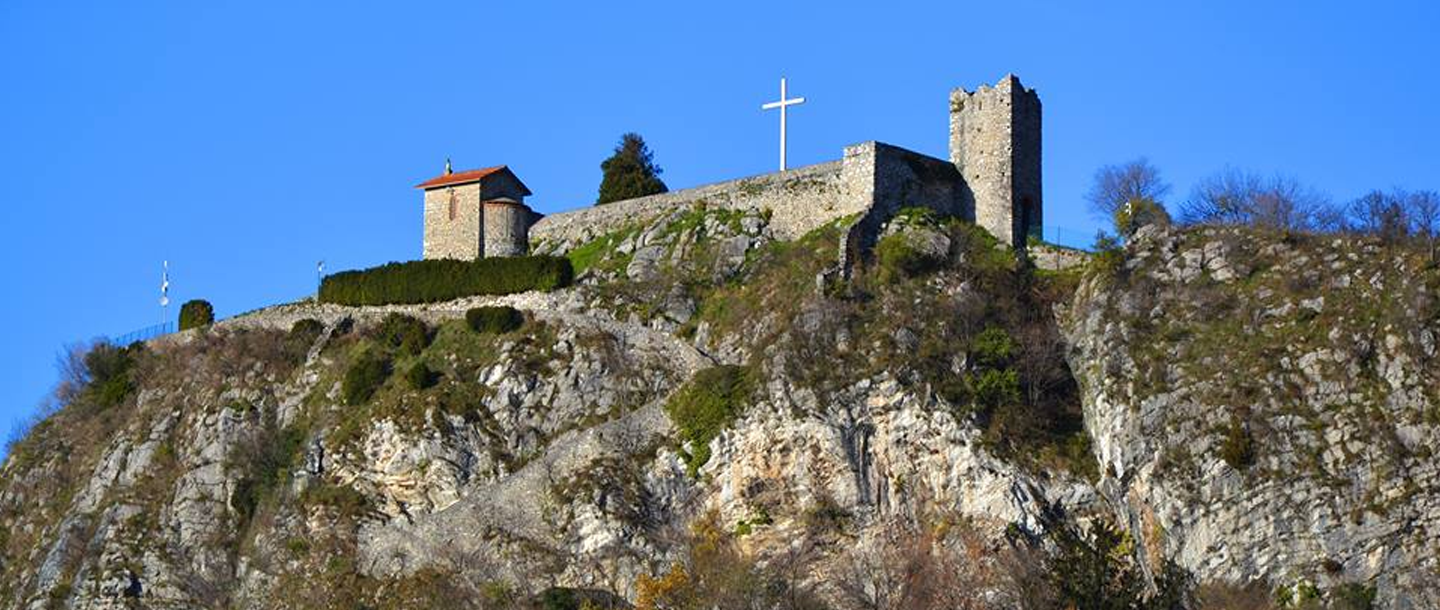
x=1096, y=570
x=630, y=172
x=196, y=313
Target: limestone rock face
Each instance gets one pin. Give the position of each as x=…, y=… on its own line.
x=1260, y=408
x=1265, y=410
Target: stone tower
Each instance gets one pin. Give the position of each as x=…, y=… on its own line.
x=995, y=143
x=476, y=213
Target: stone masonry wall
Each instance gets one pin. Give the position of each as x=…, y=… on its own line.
x=888, y=178
x=799, y=200
x=1025, y=138
x=995, y=143
x=457, y=237
x=873, y=180
x=506, y=225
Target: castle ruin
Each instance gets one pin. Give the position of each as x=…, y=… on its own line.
x=992, y=178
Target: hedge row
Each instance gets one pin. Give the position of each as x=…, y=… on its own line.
x=430, y=281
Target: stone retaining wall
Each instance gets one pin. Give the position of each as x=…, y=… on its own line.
x=1054, y=258
x=282, y=317
x=799, y=200
x=872, y=181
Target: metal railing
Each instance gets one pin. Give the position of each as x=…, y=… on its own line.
x=1064, y=236
x=144, y=334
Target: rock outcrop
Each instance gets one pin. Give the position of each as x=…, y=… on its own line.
x=1263, y=407
x=1249, y=407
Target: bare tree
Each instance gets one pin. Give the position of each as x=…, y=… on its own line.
x=919, y=566
x=1381, y=214
x=1284, y=203
x=1221, y=198
x=72, y=370
x=1424, y=208
x=1394, y=216
x=1235, y=196
x=1117, y=184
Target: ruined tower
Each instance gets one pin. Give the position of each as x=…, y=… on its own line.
x=995, y=143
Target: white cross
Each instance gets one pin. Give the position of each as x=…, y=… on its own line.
x=781, y=104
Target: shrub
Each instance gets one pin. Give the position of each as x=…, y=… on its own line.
x=419, y=376
x=899, y=258
x=364, y=377
x=715, y=573
x=403, y=333
x=1352, y=596
x=1096, y=569
x=997, y=388
x=264, y=460
x=1137, y=213
x=429, y=281
x=993, y=347
x=565, y=598
x=558, y=598
x=494, y=320
x=303, y=334
x=108, y=369
x=1109, y=256
x=1222, y=595
x=308, y=327
x=195, y=314
x=705, y=406
x=1237, y=448
x=343, y=498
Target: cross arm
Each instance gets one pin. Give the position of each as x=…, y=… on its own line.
x=783, y=103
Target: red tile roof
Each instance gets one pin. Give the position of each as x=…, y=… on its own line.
x=470, y=175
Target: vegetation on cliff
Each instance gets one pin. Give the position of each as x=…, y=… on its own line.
x=716, y=418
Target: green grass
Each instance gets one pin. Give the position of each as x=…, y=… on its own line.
x=599, y=253
x=707, y=405
x=364, y=377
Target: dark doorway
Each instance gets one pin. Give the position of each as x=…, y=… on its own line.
x=1029, y=225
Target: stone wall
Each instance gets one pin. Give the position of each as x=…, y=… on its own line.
x=502, y=184
x=456, y=235
x=888, y=178
x=872, y=180
x=506, y=226
x=284, y=316
x=1056, y=258
x=799, y=200
x=995, y=143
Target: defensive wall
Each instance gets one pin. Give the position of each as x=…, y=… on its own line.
x=799, y=199
x=870, y=182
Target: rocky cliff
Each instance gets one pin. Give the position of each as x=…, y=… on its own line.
x=1248, y=410
x=1263, y=406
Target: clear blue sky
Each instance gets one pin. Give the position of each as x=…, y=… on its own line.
x=243, y=141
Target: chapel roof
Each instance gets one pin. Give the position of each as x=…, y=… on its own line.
x=468, y=176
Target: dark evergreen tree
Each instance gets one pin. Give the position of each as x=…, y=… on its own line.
x=630, y=172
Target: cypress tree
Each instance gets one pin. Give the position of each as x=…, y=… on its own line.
x=630, y=172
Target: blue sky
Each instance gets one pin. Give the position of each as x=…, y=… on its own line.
x=243, y=141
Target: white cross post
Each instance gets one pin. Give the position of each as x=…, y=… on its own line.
x=781, y=104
